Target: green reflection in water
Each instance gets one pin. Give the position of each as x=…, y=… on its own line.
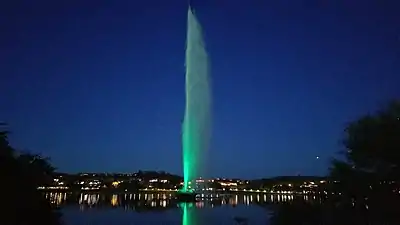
x=189, y=216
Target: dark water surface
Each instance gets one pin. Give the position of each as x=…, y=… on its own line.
x=161, y=208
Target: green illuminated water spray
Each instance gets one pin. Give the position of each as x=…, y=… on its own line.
x=197, y=119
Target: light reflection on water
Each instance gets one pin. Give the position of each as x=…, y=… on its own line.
x=163, y=199
x=161, y=208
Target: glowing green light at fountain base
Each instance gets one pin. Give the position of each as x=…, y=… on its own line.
x=197, y=120
x=190, y=151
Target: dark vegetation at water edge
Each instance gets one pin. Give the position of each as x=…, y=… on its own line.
x=24, y=204
x=367, y=180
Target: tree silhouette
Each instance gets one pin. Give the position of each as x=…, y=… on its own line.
x=41, y=170
x=6, y=150
x=373, y=142
x=372, y=149
x=367, y=179
x=21, y=174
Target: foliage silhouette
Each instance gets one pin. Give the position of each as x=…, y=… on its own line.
x=22, y=174
x=365, y=182
x=372, y=155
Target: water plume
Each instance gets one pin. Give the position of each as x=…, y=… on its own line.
x=197, y=118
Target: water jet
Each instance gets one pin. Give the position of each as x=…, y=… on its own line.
x=197, y=118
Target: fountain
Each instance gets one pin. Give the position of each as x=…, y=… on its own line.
x=197, y=119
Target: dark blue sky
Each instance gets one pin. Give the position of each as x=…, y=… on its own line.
x=99, y=86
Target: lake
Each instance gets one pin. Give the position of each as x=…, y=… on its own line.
x=161, y=208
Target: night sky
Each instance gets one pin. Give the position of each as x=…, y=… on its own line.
x=99, y=85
